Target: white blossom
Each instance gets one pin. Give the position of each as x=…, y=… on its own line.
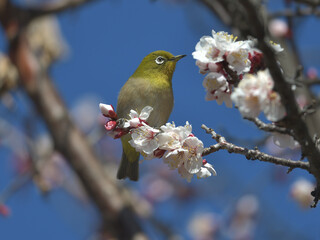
x=193, y=160
x=206, y=171
x=301, y=192
x=211, y=50
x=207, y=51
x=175, y=158
x=144, y=139
x=255, y=94
x=249, y=95
x=137, y=119
x=273, y=108
x=278, y=28
x=276, y=47
x=188, y=155
x=172, y=137
x=217, y=88
x=184, y=173
x=239, y=60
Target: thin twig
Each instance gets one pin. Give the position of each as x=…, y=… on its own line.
x=250, y=154
x=269, y=127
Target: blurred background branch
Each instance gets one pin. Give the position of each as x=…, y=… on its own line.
x=119, y=219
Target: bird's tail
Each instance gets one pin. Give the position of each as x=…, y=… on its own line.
x=128, y=168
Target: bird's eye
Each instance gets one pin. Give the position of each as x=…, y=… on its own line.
x=160, y=60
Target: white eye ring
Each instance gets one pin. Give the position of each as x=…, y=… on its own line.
x=160, y=60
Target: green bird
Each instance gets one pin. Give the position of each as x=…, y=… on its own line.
x=150, y=85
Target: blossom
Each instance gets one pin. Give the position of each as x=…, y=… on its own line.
x=273, y=108
x=278, y=28
x=175, y=158
x=276, y=47
x=206, y=170
x=217, y=88
x=239, y=60
x=144, y=139
x=205, y=225
x=207, y=51
x=137, y=119
x=249, y=95
x=301, y=192
x=193, y=160
x=222, y=46
x=229, y=43
x=255, y=94
x=189, y=155
x=172, y=137
x=184, y=173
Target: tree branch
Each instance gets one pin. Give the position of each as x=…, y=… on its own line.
x=269, y=127
x=250, y=154
x=119, y=220
x=54, y=7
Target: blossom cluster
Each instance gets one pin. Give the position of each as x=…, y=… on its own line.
x=236, y=73
x=178, y=147
x=255, y=94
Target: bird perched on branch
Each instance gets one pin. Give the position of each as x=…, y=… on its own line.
x=150, y=85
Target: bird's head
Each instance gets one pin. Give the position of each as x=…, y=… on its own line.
x=158, y=64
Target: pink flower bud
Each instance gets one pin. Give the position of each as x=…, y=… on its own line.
x=108, y=111
x=110, y=125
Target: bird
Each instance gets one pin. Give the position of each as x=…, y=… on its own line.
x=149, y=85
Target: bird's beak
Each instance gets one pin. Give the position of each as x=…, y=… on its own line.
x=177, y=58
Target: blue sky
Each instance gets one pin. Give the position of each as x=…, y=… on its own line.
x=107, y=40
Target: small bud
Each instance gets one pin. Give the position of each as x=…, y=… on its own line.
x=108, y=111
x=110, y=125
